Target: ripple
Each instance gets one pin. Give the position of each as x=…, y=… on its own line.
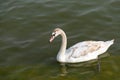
x=26, y=25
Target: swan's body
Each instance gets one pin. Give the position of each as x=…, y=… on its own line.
x=80, y=52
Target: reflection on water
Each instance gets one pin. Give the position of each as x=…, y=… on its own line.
x=25, y=27
x=63, y=69
x=93, y=63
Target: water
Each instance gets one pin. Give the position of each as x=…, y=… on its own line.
x=25, y=28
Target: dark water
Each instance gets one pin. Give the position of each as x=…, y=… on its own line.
x=25, y=27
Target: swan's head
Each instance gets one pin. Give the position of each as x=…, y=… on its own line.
x=55, y=33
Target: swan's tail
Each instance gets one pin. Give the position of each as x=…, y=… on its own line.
x=110, y=42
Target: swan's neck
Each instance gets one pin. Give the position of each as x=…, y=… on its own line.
x=61, y=54
x=64, y=43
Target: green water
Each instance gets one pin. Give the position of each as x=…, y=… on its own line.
x=25, y=28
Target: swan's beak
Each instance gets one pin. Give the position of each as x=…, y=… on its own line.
x=51, y=39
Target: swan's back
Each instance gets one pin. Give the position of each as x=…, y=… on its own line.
x=88, y=49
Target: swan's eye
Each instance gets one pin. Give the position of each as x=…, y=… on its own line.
x=53, y=34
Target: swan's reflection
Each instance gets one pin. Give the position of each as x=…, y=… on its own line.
x=84, y=64
x=63, y=69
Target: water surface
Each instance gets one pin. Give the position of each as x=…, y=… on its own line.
x=25, y=28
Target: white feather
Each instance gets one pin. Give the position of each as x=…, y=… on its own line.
x=87, y=50
x=80, y=52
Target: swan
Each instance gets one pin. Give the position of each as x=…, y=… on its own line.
x=80, y=52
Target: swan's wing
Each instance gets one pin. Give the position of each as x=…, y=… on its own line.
x=83, y=48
